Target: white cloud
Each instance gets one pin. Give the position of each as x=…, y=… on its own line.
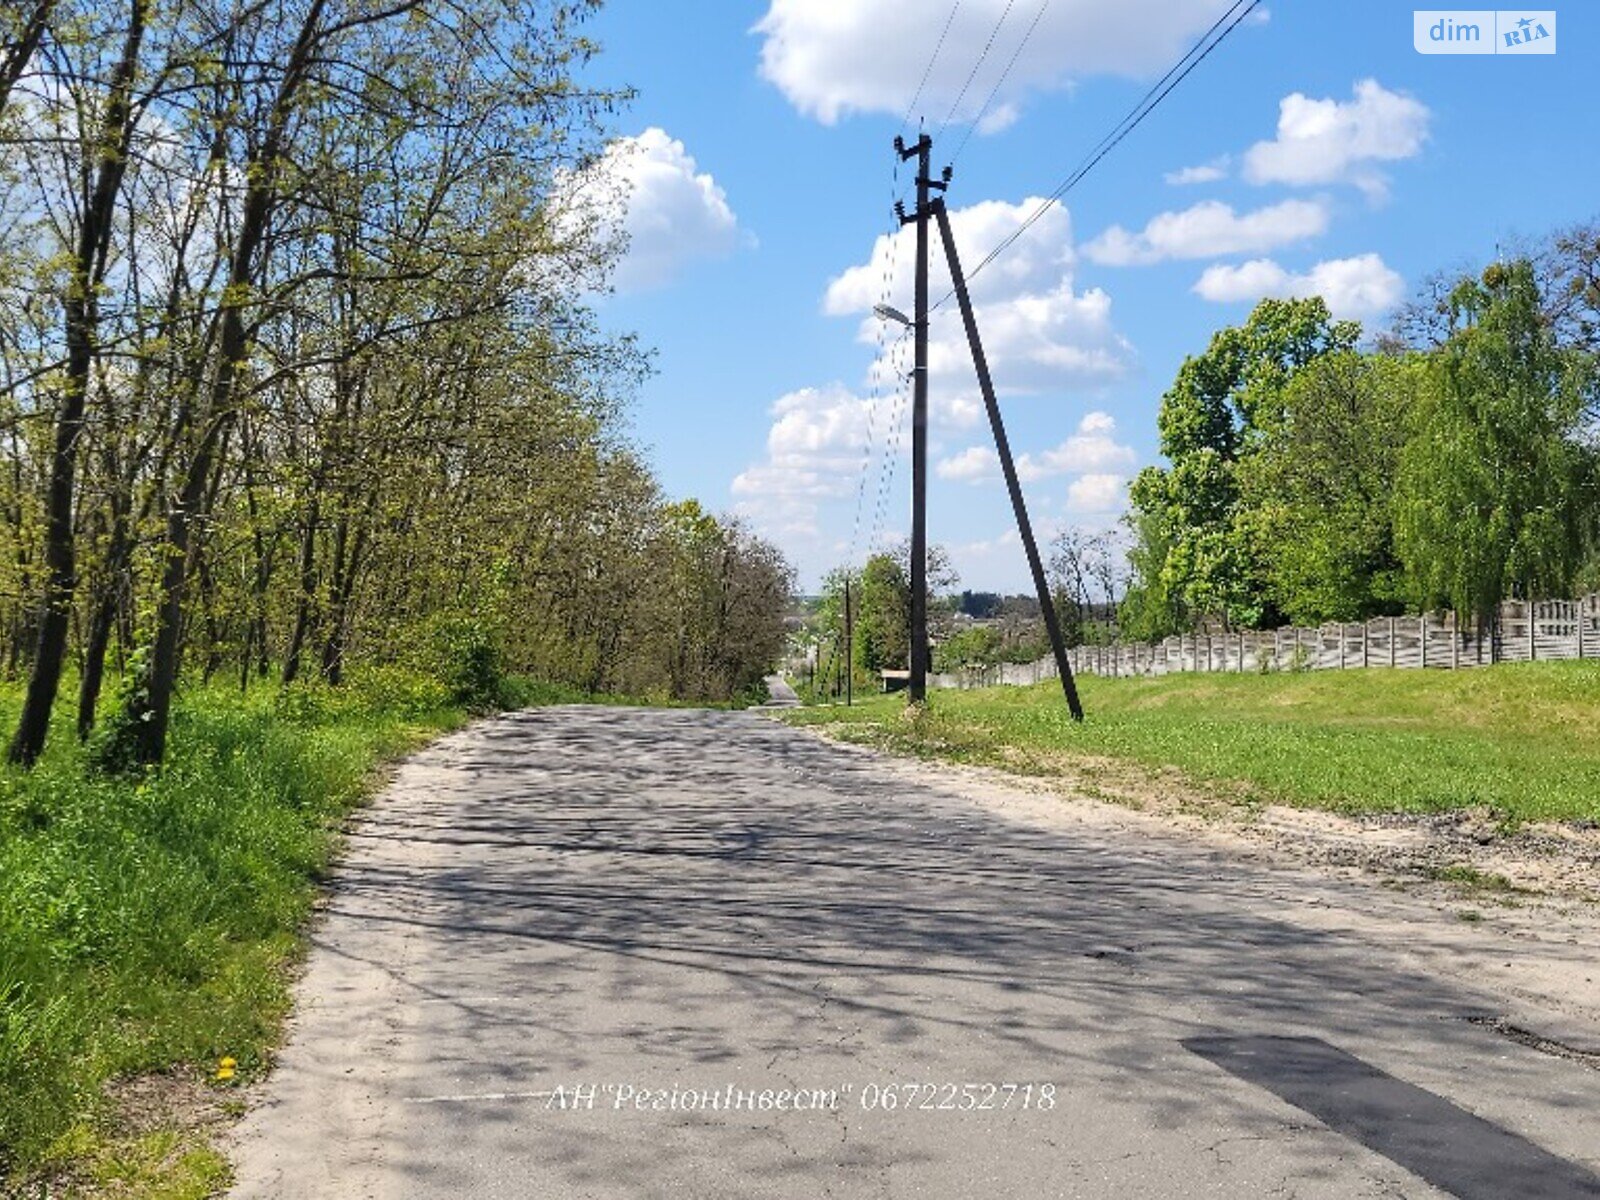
x=1092, y=448
x=1326, y=141
x=973, y=465
x=648, y=188
x=1039, y=333
x=1207, y=230
x=814, y=447
x=1097, y=493
x=831, y=58
x=815, y=450
x=1038, y=260
x=1363, y=286
x=1208, y=172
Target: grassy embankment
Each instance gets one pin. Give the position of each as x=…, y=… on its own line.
x=1522, y=740
x=150, y=923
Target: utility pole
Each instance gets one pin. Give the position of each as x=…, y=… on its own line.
x=919, y=421
x=935, y=209
x=849, y=650
x=1002, y=446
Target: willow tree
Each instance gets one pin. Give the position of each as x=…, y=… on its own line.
x=1496, y=484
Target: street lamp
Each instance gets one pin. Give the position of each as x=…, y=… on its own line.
x=887, y=312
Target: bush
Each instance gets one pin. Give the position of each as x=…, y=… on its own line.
x=467, y=659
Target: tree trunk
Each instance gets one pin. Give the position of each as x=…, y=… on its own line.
x=152, y=710
x=14, y=57
x=305, y=604
x=101, y=622
x=82, y=315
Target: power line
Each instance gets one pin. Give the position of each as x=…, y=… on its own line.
x=998, y=83
x=888, y=281
x=896, y=432
x=1136, y=115
x=973, y=74
x=890, y=259
x=928, y=70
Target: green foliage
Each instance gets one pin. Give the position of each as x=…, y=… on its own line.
x=466, y=657
x=1154, y=607
x=1517, y=739
x=975, y=646
x=417, y=453
x=1198, y=553
x=1495, y=490
x=1312, y=482
x=146, y=920
x=881, y=609
x=1317, y=496
x=716, y=605
x=114, y=747
x=883, y=615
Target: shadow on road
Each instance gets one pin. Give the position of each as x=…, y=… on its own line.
x=676, y=895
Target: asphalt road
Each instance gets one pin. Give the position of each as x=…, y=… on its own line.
x=887, y=991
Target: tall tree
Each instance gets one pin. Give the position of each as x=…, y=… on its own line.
x=1495, y=488
x=108, y=128
x=1317, y=497
x=1214, y=416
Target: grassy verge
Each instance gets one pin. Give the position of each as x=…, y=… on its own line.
x=1522, y=740
x=147, y=925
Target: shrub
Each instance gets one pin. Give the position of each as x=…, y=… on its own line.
x=466, y=658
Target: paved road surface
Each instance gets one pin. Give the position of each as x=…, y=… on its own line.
x=780, y=694
x=583, y=901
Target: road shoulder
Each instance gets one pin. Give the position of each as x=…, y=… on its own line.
x=1515, y=914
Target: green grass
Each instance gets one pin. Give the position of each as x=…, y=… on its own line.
x=1522, y=740
x=151, y=922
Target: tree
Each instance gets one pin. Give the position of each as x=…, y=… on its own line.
x=322, y=386
x=1495, y=492
x=108, y=128
x=21, y=30
x=882, y=624
x=1318, y=495
x=1195, y=554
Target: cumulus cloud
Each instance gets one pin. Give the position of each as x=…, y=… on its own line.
x=831, y=59
x=1097, y=494
x=1363, y=286
x=973, y=465
x=815, y=449
x=1207, y=230
x=1208, y=172
x=814, y=446
x=1040, y=333
x=649, y=190
x=1090, y=450
x=1332, y=141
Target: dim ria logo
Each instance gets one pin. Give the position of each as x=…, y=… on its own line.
x=1484, y=31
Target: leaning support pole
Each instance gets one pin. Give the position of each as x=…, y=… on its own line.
x=1003, y=447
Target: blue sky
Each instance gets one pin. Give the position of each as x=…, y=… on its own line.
x=1332, y=158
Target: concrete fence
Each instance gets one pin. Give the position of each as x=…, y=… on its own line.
x=1524, y=631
